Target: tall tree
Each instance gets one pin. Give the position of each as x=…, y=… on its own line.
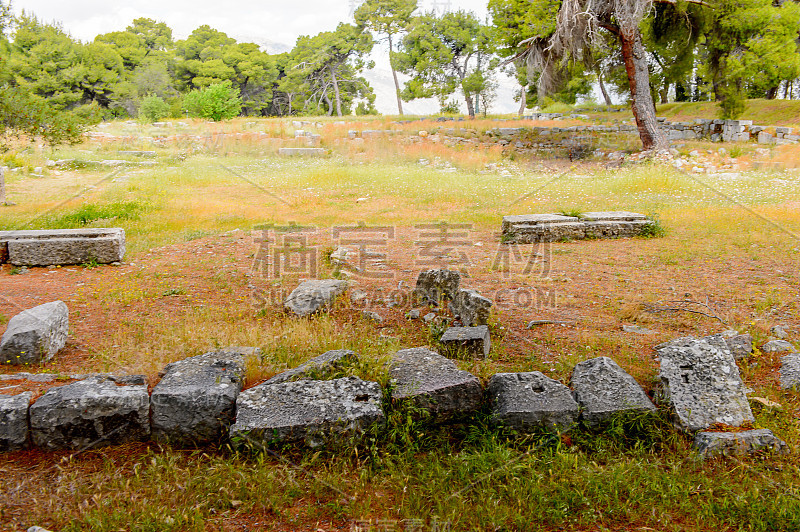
x=389, y=18
x=325, y=68
x=443, y=54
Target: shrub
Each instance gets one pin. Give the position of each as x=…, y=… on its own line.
x=153, y=108
x=219, y=101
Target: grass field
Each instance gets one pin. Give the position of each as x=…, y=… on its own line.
x=191, y=282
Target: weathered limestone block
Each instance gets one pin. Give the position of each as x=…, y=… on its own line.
x=790, y=372
x=91, y=413
x=35, y=335
x=531, y=228
x=472, y=308
x=434, y=286
x=317, y=367
x=475, y=340
x=194, y=403
x=62, y=246
x=710, y=444
x=434, y=383
x=778, y=346
x=740, y=345
x=313, y=412
x=302, y=152
x=700, y=379
x=603, y=389
x=529, y=401
x=314, y=296
x=14, y=421
x=616, y=229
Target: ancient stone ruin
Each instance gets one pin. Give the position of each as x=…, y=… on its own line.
x=49, y=247
x=532, y=228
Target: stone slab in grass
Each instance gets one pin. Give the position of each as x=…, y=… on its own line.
x=35, y=335
x=473, y=340
x=605, y=216
x=511, y=221
x=194, y=403
x=301, y=152
x=603, y=389
x=312, y=412
x=62, y=246
x=616, y=228
x=434, y=383
x=790, y=372
x=314, y=296
x=14, y=421
x=317, y=367
x=740, y=345
x=471, y=307
x=700, y=379
x=712, y=444
x=531, y=401
x=91, y=413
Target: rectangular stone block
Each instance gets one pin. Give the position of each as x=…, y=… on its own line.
x=62, y=246
x=305, y=152
x=616, y=229
x=474, y=340
x=602, y=216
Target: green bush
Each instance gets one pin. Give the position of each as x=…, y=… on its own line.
x=153, y=109
x=219, y=101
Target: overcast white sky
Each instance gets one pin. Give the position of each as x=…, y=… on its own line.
x=280, y=21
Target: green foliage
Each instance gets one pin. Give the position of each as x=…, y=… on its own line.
x=219, y=101
x=445, y=54
x=655, y=229
x=153, y=108
x=23, y=113
x=91, y=212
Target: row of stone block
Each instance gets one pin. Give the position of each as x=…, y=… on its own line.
x=48, y=247
x=199, y=400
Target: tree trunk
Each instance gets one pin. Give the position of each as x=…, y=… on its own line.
x=644, y=110
x=2, y=187
x=772, y=93
x=523, y=96
x=470, y=105
x=394, y=76
x=606, y=97
x=336, y=92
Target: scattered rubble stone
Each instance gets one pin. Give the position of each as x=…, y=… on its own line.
x=91, y=413
x=710, y=444
x=14, y=421
x=637, y=329
x=778, y=346
x=740, y=345
x=790, y=372
x=528, y=401
x=35, y=335
x=195, y=401
x=313, y=296
x=434, y=383
x=472, y=308
x=434, y=286
x=603, y=389
x=313, y=412
x=317, y=367
x=700, y=379
x=475, y=340
x=779, y=332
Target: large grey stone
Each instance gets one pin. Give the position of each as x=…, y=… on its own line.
x=313, y=412
x=471, y=307
x=530, y=401
x=317, y=367
x=515, y=220
x=35, y=335
x=62, y=246
x=778, y=346
x=433, y=286
x=790, y=372
x=612, y=216
x=603, y=389
x=531, y=228
x=91, y=413
x=313, y=296
x=194, y=403
x=434, y=383
x=475, y=340
x=14, y=421
x=700, y=379
x=616, y=228
x=710, y=444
